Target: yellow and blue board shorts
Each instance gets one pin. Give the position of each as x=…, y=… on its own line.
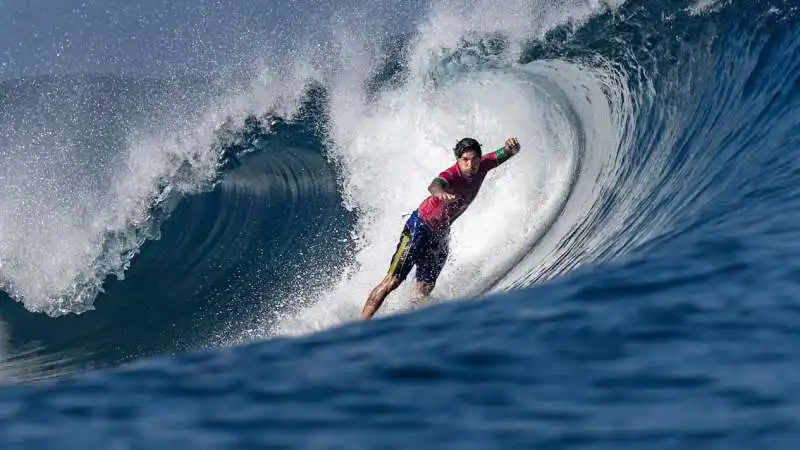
x=422, y=247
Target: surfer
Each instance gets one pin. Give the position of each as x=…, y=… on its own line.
x=424, y=240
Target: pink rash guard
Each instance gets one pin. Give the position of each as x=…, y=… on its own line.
x=439, y=215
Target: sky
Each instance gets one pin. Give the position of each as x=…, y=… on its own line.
x=160, y=37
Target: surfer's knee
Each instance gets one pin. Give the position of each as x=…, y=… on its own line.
x=393, y=282
x=388, y=284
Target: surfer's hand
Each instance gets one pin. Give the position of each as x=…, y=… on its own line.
x=512, y=146
x=445, y=196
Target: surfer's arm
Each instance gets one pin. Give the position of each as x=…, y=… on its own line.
x=438, y=188
x=503, y=153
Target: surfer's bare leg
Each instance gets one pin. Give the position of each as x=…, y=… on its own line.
x=378, y=295
x=424, y=289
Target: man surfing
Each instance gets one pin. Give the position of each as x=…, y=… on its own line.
x=425, y=238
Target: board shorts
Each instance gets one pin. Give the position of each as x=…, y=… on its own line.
x=422, y=247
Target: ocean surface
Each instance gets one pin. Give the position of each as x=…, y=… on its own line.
x=183, y=259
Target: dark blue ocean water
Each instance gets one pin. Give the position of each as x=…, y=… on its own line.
x=182, y=261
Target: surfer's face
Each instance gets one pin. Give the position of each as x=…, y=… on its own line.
x=469, y=162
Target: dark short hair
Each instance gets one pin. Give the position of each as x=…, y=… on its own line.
x=467, y=144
